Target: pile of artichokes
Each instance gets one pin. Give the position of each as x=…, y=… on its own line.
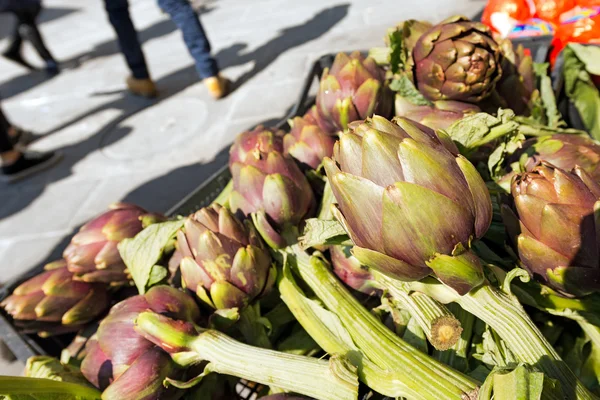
x=444, y=245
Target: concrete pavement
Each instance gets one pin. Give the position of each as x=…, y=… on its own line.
x=118, y=147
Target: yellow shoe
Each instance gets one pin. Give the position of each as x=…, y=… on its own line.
x=141, y=87
x=217, y=86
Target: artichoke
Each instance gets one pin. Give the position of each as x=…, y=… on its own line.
x=122, y=362
x=553, y=225
x=517, y=83
x=53, y=302
x=307, y=142
x=268, y=185
x=351, y=271
x=353, y=89
x=457, y=60
x=440, y=115
x=92, y=254
x=386, y=178
x=564, y=151
x=224, y=261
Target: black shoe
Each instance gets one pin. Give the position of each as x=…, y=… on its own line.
x=52, y=68
x=28, y=164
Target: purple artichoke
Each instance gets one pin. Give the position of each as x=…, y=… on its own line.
x=554, y=228
x=440, y=115
x=353, y=89
x=122, y=362
x=307, y=142
x=457, y=60
x=404, y=219
x=562, y=150
x=268, y=185
x=351, y=271
x=92, y=254
x=223, y=261
x=53, y=302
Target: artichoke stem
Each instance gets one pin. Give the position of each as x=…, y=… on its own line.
x=425, y=377
x=441, y=327
x=503, y=313
x=495, y=133
x=456, y=356
x=252, y=328
x=324, y=380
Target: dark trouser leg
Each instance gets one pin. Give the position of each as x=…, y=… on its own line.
x=14, y=48
x=5, y=144
x=118, y=15
x=183, y=15
x=28, y=28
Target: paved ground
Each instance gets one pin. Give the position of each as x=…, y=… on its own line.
x=118, y=147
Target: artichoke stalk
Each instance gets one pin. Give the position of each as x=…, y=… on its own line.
x=225, y=263
x=553, y=226
x=124, y=364
x=353, y=89
x=407, y=223
x=268, y=186
x=326, y=380
x=92, y=254
x=53, y=302
x=457, y=60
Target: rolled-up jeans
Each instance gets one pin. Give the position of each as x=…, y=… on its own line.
x=195, y=39
x=118, y=15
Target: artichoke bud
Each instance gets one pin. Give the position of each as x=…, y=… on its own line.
x=553, y=225
x=385, y=178
x=223, y=260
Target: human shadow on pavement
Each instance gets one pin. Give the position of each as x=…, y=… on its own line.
x=31, y=79
x=287, y=39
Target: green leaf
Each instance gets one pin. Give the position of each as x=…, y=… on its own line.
x=318, y=232
x=579, y=62
x=25, y=388
x=50, y=368
x=522, y=383
x=415, y=336
x=552, y=117
x=407, y=89
x=142, y=253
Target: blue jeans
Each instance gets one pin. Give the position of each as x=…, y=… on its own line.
x=118, y=15
x=195, y=39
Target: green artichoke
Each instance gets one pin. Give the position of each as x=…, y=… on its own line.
x=351, y=271
x=562, y=150
x=92, y=254
x=517, y=83
x=53, y=302
x=122, y=362
x=353, y=89
x=553, y=225
x=224, y=261
x=457, y=60
x=386, y=178
x=440, y=115
x=307, y=142
x=268, y=185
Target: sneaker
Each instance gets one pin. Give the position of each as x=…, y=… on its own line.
x=142, y=87
x=217, y=86
x=28, y=164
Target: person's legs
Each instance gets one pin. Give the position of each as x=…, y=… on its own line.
x=17, y=164
x=27, y=27
x=187, y=21
x=118, y=15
